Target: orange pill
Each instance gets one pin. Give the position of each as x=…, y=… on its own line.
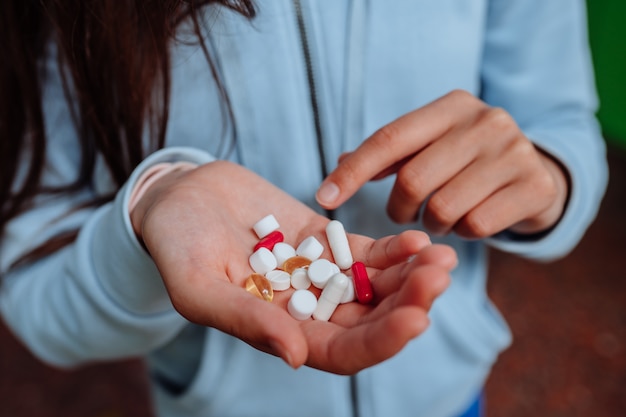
x=295, y=262
x=259, y=286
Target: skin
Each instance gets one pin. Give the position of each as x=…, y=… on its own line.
x=198, y=229
x=468, y=164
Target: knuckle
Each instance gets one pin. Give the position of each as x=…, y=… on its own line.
x=384, y=137
x=544, y=186
x=478, y=225
x=523, y=150
x=349, y=173
x=442, y=210
x=409, y=185
x=461, y=95
x=500, y=120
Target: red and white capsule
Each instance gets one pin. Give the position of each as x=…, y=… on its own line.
x=362, y=285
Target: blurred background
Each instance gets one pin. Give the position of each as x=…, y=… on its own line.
x=568, y=317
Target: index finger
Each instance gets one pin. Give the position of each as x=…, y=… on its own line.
x=392, y=143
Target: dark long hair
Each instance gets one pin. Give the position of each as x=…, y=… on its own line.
x=115, y=63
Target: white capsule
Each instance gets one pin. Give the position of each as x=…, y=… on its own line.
x=265, y=226
x=280, y=280
x=320, y=272
x=262, y=261
x=348, y=295
x=330, y=297
x=283, y=251
x=310, y=248
x=302, y=304
x=339, y=246
x=300, y=279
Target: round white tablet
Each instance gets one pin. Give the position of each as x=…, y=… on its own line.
x=320, y=272
x=302, y=304
x=280, y=280
x=283, y=251
x=300, y=279
x=310, y=248
x=263, y=261
x=265, y=226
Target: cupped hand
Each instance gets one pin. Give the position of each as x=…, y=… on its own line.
x=469, y=165
x=197, y=226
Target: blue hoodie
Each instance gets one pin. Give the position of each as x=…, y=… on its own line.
x=365, y=63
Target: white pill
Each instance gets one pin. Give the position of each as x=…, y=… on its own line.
x=280, y=280
x=310, y=248
x=320, y=272
x=283, y=251
x=265, y=226
x=339, y=246
x=300, y=279
x=348, y=295
x=262, y=261
x=330, y=297
x=302, y=304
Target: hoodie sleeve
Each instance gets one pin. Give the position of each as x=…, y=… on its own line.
x=100, y=297
x=537, y=66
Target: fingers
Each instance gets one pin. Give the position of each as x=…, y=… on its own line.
x=417, y=283
x=234, y=311
x=360, y=336
x=348, y=350
x=392, y=143
x=390, y=250
x=441, y=257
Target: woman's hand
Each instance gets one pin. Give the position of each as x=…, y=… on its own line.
x=197, y=225
x=468, y=163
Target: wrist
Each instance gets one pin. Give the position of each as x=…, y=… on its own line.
x=137, y=204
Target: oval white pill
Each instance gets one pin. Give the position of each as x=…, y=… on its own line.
x=330, y=297
x=283, y=251
x=339, y=246
x=310, y=248
x=265, y=226
x=320, y=272
x=302, y=304
x=348, y=295
x=262, y=261
x=300, y=279
x=280, y=280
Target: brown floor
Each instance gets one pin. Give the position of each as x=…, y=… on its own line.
x=568, y=357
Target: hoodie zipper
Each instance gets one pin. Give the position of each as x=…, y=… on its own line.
x=308, y=61
x=310, y=75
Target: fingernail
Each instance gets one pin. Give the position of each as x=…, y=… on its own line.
x=327, y=193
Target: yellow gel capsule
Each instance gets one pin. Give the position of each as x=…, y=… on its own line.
x=294, y=263
x=259, y=286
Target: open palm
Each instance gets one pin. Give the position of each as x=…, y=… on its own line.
x=197, y=226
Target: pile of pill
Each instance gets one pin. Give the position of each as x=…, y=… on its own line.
x=279, y=266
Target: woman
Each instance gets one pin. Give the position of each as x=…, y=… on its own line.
x=480, y=130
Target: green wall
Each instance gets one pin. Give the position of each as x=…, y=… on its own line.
x=607, y=34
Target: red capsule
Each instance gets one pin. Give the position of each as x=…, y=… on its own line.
x=270, y=240
x=362, y=285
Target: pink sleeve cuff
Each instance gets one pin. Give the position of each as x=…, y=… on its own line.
x=152, y=175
